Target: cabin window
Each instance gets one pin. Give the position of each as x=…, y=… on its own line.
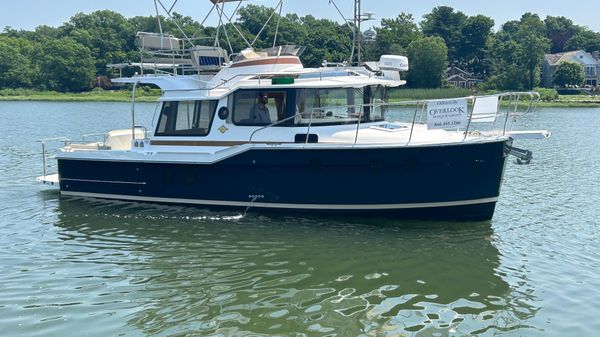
x=339, y=105
x=186, y=118
x=258, y=107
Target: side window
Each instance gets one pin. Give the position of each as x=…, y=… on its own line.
x=186, y=118
x=332, y=106
x=167, y=116
x=256, y=107
x=325, y=105
x=243, y=102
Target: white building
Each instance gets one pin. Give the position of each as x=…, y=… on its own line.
x=590, y=63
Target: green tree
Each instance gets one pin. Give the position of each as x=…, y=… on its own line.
x=107, y=34
x=327, y=40
x=253, y=17
x=39, y=34
x=585, y=39
x=444, y=22
x=428, y=62
x=291, y=30
x=471, y=54
x=146, y=24
x=534, y=44
x=516, y=53
x=568, y=73
x=559, y=30
x=66, y=65
x=189, y=27
x=508, y=73
x=16, y=67
x=396, y=34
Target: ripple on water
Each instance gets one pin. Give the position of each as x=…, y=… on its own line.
x=172, y=270
x=106, y=268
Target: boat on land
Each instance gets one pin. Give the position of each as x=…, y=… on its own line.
x=256, y=129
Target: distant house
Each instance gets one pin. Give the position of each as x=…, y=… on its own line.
x=590, y=63
x=460, y=78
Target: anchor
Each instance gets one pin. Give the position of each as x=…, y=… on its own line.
x=523, y=156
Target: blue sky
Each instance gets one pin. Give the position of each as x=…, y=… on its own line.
x=27, y=14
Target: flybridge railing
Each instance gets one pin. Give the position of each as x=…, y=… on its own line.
x=460, y=114
x=164, y=54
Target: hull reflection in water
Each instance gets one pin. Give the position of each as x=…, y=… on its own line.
x=171, y=271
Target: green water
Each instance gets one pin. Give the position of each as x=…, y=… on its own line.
x=83, y=267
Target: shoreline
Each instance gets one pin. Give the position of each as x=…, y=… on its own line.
x=569, y=104
x=141, y=99
x=96, y=95
x=144, y=97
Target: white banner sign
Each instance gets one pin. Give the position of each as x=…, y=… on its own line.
x=447, y=114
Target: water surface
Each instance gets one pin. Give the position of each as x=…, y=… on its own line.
x=72, y=266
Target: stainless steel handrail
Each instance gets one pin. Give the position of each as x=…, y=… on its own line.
x=412, y=125
x=420, y=106
x=311, y=114
x=43, y=142
x=259, y=77
x=270, y=125
x=104, y=135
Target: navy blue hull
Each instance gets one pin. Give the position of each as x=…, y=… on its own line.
x=450, y=182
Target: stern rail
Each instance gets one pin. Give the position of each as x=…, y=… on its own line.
x=45, y=166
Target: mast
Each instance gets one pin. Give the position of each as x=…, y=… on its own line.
x=359, y=17
x=358, y=35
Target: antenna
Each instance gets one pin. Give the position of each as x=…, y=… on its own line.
x=369, y=15
x=358, y=18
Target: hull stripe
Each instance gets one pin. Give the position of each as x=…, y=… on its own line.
x=105, y=181
x=209, y=143
x=284, y=205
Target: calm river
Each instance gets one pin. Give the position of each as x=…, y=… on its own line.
x=79, y=267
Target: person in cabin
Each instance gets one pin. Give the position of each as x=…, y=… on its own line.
x=260, y=112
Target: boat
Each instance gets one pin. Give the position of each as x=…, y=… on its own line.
x=257, y=130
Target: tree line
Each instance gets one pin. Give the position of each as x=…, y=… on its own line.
x=71, y=57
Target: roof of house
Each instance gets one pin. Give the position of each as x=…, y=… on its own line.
x=555, y=59
x=457, y=78
x=456, y=70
